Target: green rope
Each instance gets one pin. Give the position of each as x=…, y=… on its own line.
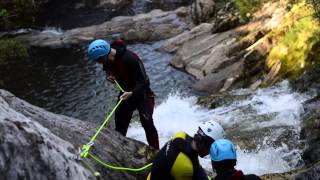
x=119, y=86
x=85, y=148
x=95, y=158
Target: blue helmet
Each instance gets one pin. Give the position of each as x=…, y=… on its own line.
x=98, y=48
x=222, y=149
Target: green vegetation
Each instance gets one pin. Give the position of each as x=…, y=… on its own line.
x=247, y=7
x=4, y=18
x=297, y=40
x=11, y=50
x=17, y=13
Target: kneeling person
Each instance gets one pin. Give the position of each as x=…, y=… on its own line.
x=178, y=159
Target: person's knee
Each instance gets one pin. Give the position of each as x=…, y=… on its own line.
x=148, y=126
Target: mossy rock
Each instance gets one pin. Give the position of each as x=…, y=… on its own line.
x=247, y=7
x=18, y=13
x=296, y=41
x=11, y=50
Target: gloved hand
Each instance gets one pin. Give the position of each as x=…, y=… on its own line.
x=111, y=78
x=126, y=95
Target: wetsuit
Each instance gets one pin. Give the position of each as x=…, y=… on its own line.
x=236, y=175
x=177, y=161
x=129, y=71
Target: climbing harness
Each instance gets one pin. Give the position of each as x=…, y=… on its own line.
x=84, y=151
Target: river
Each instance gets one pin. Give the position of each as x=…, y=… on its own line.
x=265, y=125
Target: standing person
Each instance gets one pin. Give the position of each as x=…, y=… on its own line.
x=178, y=159
x=126, y=67
x=224, y=159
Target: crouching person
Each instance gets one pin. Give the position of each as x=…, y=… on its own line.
x=224, y=159
x=178, y=159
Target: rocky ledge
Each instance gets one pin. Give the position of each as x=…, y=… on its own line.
x=153, y=26
x=36, y=144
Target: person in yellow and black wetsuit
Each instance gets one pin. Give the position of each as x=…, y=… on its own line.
x=178, y=159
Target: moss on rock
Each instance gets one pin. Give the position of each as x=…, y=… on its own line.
x=247, y=7
x=17, y=13
x=296, y=38
x=11, y=50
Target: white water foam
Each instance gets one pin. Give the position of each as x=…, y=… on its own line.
x=183, y=114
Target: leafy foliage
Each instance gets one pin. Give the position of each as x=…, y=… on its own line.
x=17, y=13
x=295, y=47
x=247, y=7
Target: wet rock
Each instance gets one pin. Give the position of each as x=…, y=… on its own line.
x=309, y=80
x=216, y=100
x=225, y=24
x=167, y=4
x=228, y=59
x=114, y=3
x=58, y=138
x=156, y=25
x=311, y=131
x=226, y=17
x=202, y=10
x=171, y=45
x=30, y=151
x=309, y=173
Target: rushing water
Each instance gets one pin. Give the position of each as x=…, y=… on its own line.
x=268, y=117
x=265, y=126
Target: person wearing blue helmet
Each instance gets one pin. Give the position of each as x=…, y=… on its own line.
x=125, y=66
x=224, y=158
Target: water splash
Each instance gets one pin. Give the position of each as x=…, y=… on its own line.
x=280, y=107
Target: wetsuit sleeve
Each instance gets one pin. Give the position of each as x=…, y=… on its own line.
x=200, y=174
x=139, y=75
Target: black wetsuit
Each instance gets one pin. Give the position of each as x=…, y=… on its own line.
x=129, y=71
x=236, y=175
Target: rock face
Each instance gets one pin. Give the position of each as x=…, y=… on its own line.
x=30, y=151
x=309, y=173
x=156, y=25
x=218, y=60
x=311, y=125
x=167, y=4
x=202, y=10
x=41, y=145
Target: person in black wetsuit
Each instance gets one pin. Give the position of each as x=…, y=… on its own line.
x=125, y=66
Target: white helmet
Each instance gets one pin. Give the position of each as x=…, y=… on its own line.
x=212, y=129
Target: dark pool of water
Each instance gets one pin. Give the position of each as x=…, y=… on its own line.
x=63, y=15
